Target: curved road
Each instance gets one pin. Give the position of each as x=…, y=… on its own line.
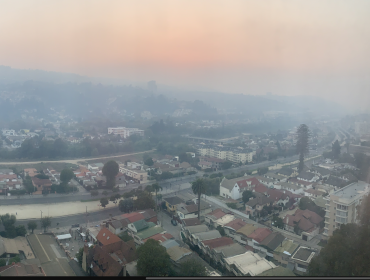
x=74, y=161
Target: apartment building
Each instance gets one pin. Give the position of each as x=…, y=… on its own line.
x=125, y=132
x=235, y=155
x=136, y=174
x=341, y=206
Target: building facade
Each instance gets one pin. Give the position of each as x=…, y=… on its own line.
x=125, y=132
x=341, y=206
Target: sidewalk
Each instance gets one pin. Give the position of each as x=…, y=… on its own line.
x=33, y=211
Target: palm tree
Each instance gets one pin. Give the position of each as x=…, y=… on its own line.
x=156, y=187
x=198, y=187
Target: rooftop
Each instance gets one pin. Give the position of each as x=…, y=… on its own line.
x=106, y=237
x=277, y=271
x=176, y=253
x=196, y=229
x=146, y=233
x=173, y=200
x=351, y=192
x=208, y=235
x=304, y=254
x=287, y=246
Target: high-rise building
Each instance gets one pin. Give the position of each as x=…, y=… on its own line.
x=341, y=206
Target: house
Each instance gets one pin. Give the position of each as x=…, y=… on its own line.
x=324, y=173
x=311, y=193
x=273, y=241
x=206, y=246
x=245, y=231
x=108, y=260
x=307, y=177
x=105, y=237
x=302, y=258
x=118, y=226
x=220, y=253
x=266, y=181
x=234, y=188
x=247, y=264
x=233, y=226
x=187, y=198
x=189, y=230
x=191, y=222
x=161, y=237
x=133, y=216
x=259, y=234
x=336, y=182
x=144, y=234
x=21, y=270
x=210, y=218
x=284, y=251
x=172, y=202
x=257, y=204
x=289, y=187
x=287, y=172
x=169, y=243
x=32, y=172
x=278, y=197
x=185, y=166
x=196, y=238
x=260, y=188
x=95, y=166
x=216, y=163
x=275, y=177
x=41, y=185
x=300, y=183
x=140, y=225
x=191, y=211
x=176, y=253
x=278, y=271
x=305, y=222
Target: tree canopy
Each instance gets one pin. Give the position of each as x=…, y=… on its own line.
x=66, y=175
x=153, y=259
x=198, y=187
x=303, y=133
x=247, y=194
x=126, y=205
x=32, y=225
x=110, y=171
x=192, y=268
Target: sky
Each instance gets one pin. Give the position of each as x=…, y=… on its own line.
x=286, y=47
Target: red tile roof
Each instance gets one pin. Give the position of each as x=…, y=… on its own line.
x=42, y=182
x=106, y=237
x=218, y=242
x=218, y=213
x=236, y=224
x=306, y=219
x=161, y=237
x=260, y=234
x=260, y=188
x=133, y=217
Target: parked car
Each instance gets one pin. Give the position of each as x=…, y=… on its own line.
x=173, y=222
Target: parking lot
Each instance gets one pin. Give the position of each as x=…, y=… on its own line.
x=52, y=258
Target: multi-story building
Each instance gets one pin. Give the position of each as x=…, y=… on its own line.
x=341, y=206
x=235, y=155
x=125, y=132
x=136, y=174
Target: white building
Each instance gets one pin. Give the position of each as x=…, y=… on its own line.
x=248, y=263
x=125, y=132
x=341, y=206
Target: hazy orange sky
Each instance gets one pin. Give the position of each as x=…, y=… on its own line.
x=288, y=47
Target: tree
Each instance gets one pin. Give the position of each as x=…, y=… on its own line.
x=247, y=194
x=198, y=187
x=147, y=265
x=335, y=148
x=66, y=175
x=192, y=268
x=302, y=144
x=226, y=165
x=45, y=223
x=32, y=225
x=104, y=192
x=231, y=205
x=144, y=201
x=79, y=256
x=125, y=236
x=221, y=230
x=104, y=202
x=126, y=205
x=110, y=171
x=21, y=230
x=8, y=222
x=42, y=176
x=277, y=222
x=149, y=161
x=94, y=193
x=262, y=170
x=156, y=188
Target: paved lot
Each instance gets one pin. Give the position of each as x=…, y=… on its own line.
x=171, y=229
x=52, y=258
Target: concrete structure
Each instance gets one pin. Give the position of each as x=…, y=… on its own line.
x=139, y=175
x=302, y=257
x=247, y=264
x=125, y=132
x=341, y=207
